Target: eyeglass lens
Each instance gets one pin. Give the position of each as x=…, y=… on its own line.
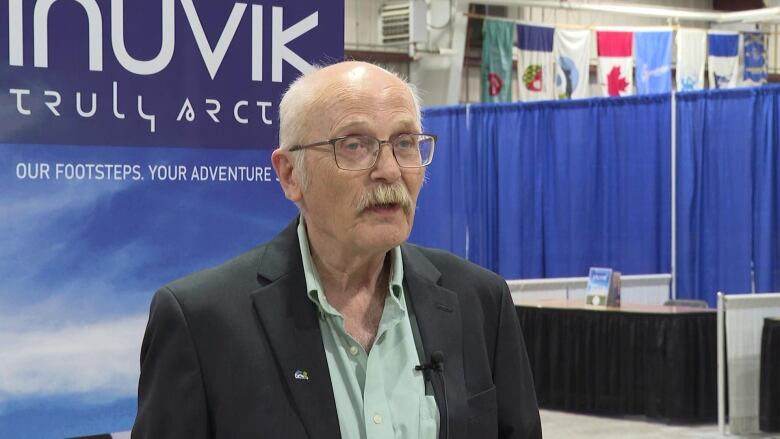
x=361, y=152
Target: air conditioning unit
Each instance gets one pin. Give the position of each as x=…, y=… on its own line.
x=403, y=22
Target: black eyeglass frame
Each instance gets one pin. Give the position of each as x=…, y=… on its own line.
x=332, y=143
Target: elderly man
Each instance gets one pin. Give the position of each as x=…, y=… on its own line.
x=336, y=328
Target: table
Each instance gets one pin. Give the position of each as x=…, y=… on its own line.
x=769, y=389
x=647, y=360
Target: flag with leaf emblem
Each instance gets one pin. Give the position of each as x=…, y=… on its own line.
x=535, y=68
x=497, y=61
x=616, y=62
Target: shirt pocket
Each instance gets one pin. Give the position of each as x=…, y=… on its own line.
x=483, y=414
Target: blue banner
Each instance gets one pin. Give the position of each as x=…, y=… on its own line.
x=755, y=57
x=653, y=62
x=726, y=45
x=537, y=38
x=134, y=148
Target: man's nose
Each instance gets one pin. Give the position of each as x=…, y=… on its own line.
x=386, y=166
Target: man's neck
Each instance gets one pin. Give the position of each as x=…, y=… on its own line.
x=343, y=273
x=355, y=284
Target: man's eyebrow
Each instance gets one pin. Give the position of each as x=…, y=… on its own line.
x=406, y=125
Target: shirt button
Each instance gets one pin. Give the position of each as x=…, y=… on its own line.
x=377, y=419
x=353, y=350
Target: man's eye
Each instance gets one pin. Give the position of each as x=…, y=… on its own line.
x=405, y=142
x=353, y=143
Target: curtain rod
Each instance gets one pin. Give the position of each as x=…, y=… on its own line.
x=600, y=27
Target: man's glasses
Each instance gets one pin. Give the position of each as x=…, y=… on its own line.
x=356, y=153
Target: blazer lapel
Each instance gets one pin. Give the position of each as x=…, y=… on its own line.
x=438, y=315
x=290, y=323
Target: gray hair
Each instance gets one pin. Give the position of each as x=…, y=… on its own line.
x=293, y=114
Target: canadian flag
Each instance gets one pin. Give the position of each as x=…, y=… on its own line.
x=616, y=62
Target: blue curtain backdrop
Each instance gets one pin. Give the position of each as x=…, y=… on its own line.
x=714, y=202
x=766, y=190
x=550, y=189
x=728, y=203
x=607, y=186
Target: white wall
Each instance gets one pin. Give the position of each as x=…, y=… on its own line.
x=362, y=33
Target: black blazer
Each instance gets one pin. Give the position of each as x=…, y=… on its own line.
x=222, y=346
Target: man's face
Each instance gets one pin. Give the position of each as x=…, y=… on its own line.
x=360, y=101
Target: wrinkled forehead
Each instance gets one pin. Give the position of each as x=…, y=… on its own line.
x=378, y=97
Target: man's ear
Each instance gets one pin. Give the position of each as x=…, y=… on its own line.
x=284, y=165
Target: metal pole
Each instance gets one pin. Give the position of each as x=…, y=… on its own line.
x=674, y=195
x=721, y=364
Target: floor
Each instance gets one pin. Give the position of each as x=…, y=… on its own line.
x=562, y=425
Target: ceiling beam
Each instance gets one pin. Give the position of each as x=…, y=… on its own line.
x=749, y=16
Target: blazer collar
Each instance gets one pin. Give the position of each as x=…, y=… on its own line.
x=290, y=322
x=439, y=318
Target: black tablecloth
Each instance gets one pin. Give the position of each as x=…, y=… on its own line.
x=769, y=407
x=657, y=364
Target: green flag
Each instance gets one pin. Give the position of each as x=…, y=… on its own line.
x=497, y=45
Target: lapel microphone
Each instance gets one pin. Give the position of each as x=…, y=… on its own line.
x=437, y=365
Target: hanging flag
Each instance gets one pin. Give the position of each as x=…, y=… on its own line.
x=653, y=62
x=691, y=57
x=535, y=69
x=755, y=58
x=615, y=62
x=497, y=61
x=571, y=52
x=723, y=59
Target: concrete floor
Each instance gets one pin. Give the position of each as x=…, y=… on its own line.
x=562, y=425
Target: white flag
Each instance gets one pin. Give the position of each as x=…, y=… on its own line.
x=691, y=56
x=723, y=59
x=572, y=63
x=535, y=69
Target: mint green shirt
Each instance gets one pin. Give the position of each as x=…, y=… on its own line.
x=378, y=394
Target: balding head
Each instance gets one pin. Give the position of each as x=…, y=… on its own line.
x=313, y=94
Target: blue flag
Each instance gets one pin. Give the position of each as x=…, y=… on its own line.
x=653, y=62
x=755, y=57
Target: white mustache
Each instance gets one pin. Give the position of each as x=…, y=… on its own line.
x=383, y=195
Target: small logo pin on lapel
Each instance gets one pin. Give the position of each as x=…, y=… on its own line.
x=301, y=375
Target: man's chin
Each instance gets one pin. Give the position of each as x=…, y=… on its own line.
x=385, y=235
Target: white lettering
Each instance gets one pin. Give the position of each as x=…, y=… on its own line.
x=238, y=118
x=213, y=112
x=117, y=114
x=263, y=106
x=213, y=58
x=32, y=171
x=280, y=38
x=41, y=33
x=257, y=42
x=187, y=111
x=81, y=112
x=15, y=33
x=19, y=107
x=159, y=62
x=144, y=116
x=55, y=103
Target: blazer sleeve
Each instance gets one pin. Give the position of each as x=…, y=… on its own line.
x=518, y=412
x=171, y=394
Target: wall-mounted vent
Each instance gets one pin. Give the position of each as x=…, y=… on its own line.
x=403, y=22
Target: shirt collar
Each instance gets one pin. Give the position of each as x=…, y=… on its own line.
x=314, y=287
